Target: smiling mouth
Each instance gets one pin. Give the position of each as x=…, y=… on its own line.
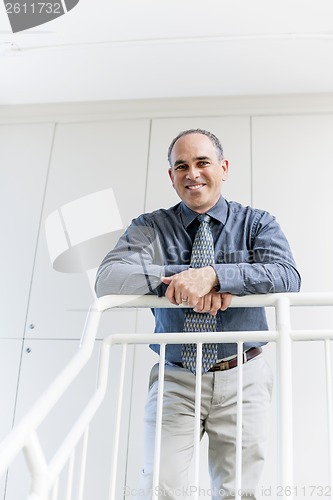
x=195, y=187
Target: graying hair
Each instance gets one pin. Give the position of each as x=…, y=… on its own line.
x=215, y=141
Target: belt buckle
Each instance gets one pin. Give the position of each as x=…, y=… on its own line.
x=224, y=365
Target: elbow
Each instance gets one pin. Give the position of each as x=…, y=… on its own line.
x=104, y=284
x=293, y=281
x=98, y=288
x=286, y=280
x=297, y=282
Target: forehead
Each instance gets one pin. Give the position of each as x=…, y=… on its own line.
x=193, y=146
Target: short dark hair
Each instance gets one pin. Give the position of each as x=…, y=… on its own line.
x=216, y=143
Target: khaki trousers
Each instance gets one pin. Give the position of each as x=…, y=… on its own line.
x=218, y=420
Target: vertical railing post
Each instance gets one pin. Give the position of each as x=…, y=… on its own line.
x=197, y=421
x=114, y=467
x=239, y=430
x=158, y=424
x=284, y=404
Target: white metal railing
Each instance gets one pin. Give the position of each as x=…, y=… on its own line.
x=45, y=475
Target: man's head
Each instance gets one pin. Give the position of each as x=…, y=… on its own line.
x=197, y=168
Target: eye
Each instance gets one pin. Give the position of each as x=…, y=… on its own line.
x=180, y=167
x=203, y=163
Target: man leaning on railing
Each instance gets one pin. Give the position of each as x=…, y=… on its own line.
x=200, y=253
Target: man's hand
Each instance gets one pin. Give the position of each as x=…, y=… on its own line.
x=213, y=302
x=193, y=287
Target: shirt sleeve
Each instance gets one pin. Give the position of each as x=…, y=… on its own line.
x=269, y=266
x=136, y=265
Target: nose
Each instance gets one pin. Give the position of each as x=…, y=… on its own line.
x=192, y=173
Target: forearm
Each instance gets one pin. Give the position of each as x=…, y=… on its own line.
x=245, y=278
x=127, y=279
x=136, y=264
x=119, y=278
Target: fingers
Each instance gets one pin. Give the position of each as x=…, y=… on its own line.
x=199, y=306
x=210, y=303
x=178, y=295
x=170, y=292
x=226, y=301
x=213, y=302
x=181, y=289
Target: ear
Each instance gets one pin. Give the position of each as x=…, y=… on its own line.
x=170, y=172
x=225, y=169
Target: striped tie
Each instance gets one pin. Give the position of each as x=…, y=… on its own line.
x=202, y=255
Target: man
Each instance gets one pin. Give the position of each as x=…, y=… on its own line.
x=201, y=262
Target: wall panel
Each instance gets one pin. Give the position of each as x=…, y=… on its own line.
x=10, y=355
x=25, y=153
x=292, y=178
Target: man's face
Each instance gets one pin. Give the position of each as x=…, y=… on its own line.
x=196, y=172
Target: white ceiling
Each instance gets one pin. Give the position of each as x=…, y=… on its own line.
x=109, y=50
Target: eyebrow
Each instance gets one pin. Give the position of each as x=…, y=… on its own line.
x=200, y=158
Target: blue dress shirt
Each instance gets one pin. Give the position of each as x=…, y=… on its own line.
x=252, y=256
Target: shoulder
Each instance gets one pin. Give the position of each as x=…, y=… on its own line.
x=158, y=216
x=246, y=210
x=253, y=217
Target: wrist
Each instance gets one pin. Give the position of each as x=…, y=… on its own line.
x=216, y=283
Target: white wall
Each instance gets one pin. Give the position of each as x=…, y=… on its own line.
x=280, y=159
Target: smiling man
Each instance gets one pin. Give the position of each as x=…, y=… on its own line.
x=200, y=253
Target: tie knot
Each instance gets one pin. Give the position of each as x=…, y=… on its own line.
x=204, y=218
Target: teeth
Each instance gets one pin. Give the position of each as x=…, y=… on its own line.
x=196, y=186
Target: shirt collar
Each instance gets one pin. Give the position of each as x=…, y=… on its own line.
x=218, y=212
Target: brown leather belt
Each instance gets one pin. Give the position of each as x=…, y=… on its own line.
x=232, y=363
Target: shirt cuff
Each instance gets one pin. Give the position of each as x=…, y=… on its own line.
x=230, y=278
x=170, y=270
